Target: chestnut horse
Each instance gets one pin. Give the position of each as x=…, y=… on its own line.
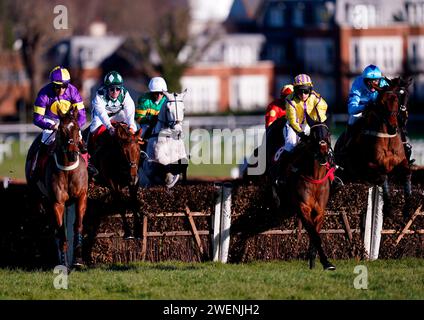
x=377, y=151
x=308, y=189
x=65, y=182
x=117, y=159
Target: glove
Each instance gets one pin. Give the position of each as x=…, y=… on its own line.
x=302, y=135
x=55, y=127
x=111, y=130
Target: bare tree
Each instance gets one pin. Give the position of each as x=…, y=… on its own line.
x=34, y=29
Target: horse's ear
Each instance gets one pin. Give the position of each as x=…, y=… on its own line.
x=408, y=81
x=167, y=95
x=137, y=134
x=183, y=94
x=389, y=81
x=60, y=113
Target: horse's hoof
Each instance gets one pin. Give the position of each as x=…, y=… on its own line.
x=328, y=266
x=128, y=236
x=171, y=180
x=78, y=266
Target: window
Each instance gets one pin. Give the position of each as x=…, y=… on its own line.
x=248, y=92
x=415, y=11
x=276, y=53
x=362, y=16
x=385, y=52
x=298, y=15
x=317, y=54
x=276, y=15
x=203, y=94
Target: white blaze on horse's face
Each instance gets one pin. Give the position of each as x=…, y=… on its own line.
x=175, y=106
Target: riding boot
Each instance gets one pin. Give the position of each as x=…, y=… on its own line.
x=41, y=159
x=283, y=168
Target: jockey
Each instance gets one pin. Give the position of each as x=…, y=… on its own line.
x=362, y=94
x=149, y=105
x=61, y=95
x=303, y=99
x=277, y=109
x=111, y=103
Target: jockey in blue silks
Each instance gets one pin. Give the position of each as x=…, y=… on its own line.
x=362, y=94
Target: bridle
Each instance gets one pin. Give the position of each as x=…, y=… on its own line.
x=70, y=147
x=131, y=164
x=169, y=123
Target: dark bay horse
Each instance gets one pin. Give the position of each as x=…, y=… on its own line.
x=378, y=151
x=117, y=159
x=65, y=182
x=308, y=189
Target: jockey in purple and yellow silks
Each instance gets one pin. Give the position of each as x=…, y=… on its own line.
x=61, y=95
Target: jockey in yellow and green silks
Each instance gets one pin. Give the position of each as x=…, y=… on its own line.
x=150, y=104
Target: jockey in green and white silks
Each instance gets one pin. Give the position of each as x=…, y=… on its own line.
x=112, y=103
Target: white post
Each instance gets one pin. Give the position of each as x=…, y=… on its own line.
x=377, y=224
x=368, y=223
x=225, y=222
x=216, y=220
x=373, y=222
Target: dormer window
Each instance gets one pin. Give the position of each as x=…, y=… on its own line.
x=362, y=16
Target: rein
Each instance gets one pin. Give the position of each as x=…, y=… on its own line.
x=328, y=175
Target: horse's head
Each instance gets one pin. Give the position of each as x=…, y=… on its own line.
x=173, y=113
x=67, y=136
x=390, y=99
x=130, y=148
x=319, y=139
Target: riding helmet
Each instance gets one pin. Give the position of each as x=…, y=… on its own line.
x=113, y=78
x=60, y=75
x=157, y=84
x=372, y=72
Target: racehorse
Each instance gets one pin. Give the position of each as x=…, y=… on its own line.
x=65, y=181
x=117, y=159
x=308, y=189
x=377, y=151
x=166, y=155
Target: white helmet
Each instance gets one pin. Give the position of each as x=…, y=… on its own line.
x=157, y=84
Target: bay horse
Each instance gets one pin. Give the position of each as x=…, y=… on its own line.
x=64, y=182
x=117, y=159
x=166, y=154
x=308, y=189
x=377, y=150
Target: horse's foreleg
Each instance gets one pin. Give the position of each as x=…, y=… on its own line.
x=59, y=209
x=312, y=226
x=78, y=227
x=135, y=208
x=407, y=189
x=387, y=207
